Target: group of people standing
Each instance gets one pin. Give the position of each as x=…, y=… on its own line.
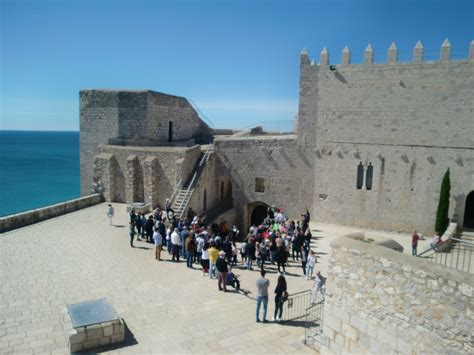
x=215, y=249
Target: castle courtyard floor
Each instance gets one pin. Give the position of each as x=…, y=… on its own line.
x=167, y=307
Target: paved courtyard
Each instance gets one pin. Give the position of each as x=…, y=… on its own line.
x=167, y=307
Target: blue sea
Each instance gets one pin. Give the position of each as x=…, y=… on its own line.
x=37, y=169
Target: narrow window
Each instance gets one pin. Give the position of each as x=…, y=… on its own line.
x=259, y=185
x=170, y=131
x=369, y=177
x=204, y=201
x=222, y=190
x=360, y=176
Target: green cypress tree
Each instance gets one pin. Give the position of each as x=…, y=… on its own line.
x=442, y=220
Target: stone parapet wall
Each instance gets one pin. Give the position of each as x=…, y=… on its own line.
x=382, y=301
x=26, y=218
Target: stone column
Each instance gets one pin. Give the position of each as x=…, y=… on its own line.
x=131, y=177
x=105, y=166
x=150, y=177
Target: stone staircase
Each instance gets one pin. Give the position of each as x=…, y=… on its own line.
x=184, y=194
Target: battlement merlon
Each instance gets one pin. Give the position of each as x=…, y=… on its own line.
x=392, y=55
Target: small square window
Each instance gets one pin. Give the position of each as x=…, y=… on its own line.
x=259, y=185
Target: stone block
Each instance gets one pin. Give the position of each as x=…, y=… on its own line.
x=386, y=338
x=328, y=332
x=403, y=347
x=117, y=338
x=75, y=337
x=108, y=330
x=358, y=323
x=104, y=341
x=90, y=344
x=76, y=347
x=333, y=322
x=94, y=332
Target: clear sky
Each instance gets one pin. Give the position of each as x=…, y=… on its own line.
x=237, y=60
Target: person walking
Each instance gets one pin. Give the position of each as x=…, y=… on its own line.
x=221, y=266
x=262, y=296
x=280, y=295
x=205, y=259
x=110, y=214
x=414, y=243
x=280, y=256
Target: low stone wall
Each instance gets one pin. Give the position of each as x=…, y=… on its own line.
x=24, y=219
x=382, y=301
x=93, y=336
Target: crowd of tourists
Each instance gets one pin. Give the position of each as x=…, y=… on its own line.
x=276, y=241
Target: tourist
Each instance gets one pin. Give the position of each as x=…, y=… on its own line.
x=243, y=252
x=233, y=279
x=133, y=216
x=414, y=243
x=158, y=239
x=311, y=260
x=184, y=235
x=262, y=296
x=205, y=259
x=110, y=214
x=168, y=208
x=132, y=233
x=176, y=244
x=304, y=257
x=138, y=225
x=250, y=253
x=149, y=225
x=320, y=283
x=281, y=295
x=199, y=246
x=436, y=241
x=227, y=248
x=235, y=252
x=190, y=247
x=221, y=266
x=213, y=255
x=235, y=233
x=306, y=218
x=168, y=237
x=280, y=257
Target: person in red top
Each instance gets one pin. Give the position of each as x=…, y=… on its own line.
x=414, y=242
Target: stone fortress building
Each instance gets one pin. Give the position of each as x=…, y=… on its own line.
x=370, y=147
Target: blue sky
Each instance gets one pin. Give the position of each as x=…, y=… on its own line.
x=237, y=60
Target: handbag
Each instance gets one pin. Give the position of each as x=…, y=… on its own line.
x=284, y=297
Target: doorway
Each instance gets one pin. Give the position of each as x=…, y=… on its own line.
x=170, y=131
x=469, y=211
x=259, y=213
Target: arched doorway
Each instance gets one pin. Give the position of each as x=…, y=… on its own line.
x=258, y=212
x=469, y=211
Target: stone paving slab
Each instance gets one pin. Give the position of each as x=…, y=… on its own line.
x=167, y=307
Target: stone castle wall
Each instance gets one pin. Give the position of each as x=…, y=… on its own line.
x=143, y=174
x=411, y=121
x=383, y=302
x=287, y=171
x=133, y=118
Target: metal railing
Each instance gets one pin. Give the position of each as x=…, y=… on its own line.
x=296, y=306
x=175, y=192
x=459, y=256
x=313, y=324
x=187, y=196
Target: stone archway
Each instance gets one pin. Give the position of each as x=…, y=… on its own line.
x=256, y=212
x=469, y=211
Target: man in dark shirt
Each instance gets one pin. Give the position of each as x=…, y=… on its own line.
x=221, y=266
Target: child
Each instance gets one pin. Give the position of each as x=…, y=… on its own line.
x=234, y=253
x=310, y=265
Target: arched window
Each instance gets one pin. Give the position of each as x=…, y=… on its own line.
x=360, y=176
x=222, y=190
x=370, y=176
x=204, y=201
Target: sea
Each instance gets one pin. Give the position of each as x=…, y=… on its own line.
x=37, y=169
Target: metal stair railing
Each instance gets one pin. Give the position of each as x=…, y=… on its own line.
x=187, y=196
x=175, y=192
